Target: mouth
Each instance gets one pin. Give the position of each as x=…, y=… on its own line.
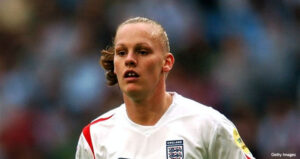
x=131, y=74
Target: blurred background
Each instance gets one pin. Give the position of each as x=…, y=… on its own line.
x=241, y=57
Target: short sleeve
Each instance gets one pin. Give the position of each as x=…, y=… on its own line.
x=226, y=142
x=83, y=149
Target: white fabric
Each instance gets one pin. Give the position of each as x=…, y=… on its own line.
x=204, y=132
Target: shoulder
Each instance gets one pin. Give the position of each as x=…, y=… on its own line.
x=107, y=115
x=205, y=118
x=217, y=130
x=193, y=108
x=105, y=118
x=85, y=145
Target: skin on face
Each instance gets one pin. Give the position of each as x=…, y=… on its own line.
x=138, y=49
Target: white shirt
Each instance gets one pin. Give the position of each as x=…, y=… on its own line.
x=187, y=130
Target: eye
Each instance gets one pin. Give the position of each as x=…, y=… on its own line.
x=143, y=52
x=121, y=53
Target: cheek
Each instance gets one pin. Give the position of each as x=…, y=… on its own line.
x=154, y=67
x=117, y=67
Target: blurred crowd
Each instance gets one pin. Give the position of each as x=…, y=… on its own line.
x=241, y=57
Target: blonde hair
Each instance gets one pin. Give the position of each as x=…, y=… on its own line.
x=107, y=55
x=161, y=31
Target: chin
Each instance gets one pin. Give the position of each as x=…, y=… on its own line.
x=133, y=91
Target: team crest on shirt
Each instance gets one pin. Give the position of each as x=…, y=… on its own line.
x=175, y=149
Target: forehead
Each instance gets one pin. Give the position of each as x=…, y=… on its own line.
x=135, y=31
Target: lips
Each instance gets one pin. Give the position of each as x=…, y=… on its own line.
x=131, y=74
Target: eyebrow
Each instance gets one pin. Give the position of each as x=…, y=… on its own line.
x=142, y=45
x=136, y=45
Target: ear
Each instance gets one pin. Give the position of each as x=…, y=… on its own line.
x=169, y=62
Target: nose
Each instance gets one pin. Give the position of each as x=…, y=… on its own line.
x=130, y=60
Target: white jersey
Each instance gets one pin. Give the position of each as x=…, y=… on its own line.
x=187, y=130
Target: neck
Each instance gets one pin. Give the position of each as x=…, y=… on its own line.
x=149, y=109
